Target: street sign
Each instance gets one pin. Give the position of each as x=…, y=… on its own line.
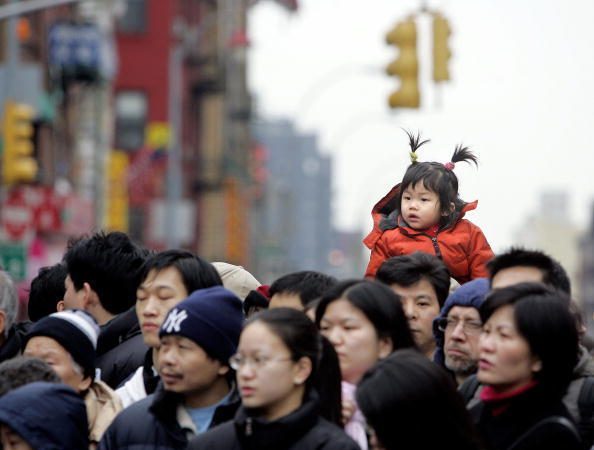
x=17, y=216
x=13, y=258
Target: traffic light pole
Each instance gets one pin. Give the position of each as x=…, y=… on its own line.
x=174, y=160
x=12, y=57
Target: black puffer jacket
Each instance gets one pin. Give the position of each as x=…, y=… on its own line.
x=120, y=348
x=517, y=423
x=152, y=423
x=303, y=429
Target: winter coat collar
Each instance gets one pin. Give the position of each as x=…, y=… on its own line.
x=258, y=433
x=117, y=330
x=102, y=405
x=165, y=406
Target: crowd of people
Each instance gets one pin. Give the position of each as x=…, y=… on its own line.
x=127, y=348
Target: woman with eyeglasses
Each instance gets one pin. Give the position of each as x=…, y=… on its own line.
x=527, y=351
x=365, y=322
x=276, y=365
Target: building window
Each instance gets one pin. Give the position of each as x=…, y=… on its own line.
x=131, y=109
x=134, y=21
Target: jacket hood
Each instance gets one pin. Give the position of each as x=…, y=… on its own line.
x=49, y=416
x=471, y=294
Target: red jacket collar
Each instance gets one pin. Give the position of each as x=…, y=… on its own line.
x=500, y=401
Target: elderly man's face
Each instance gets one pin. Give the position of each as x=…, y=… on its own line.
x=461, y=340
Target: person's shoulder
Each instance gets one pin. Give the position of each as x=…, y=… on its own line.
x=222, y=436
x=328, y=436
x=139, y=408
x=550, y=433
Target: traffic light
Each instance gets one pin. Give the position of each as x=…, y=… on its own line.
x=406, y=66
x=18, y=163
x=441, y=49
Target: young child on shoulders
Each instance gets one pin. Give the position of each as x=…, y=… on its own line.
x=425, y=213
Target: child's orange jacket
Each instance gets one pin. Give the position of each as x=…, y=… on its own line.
x=463, y=247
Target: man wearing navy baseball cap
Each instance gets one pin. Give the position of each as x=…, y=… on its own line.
x=196, y=392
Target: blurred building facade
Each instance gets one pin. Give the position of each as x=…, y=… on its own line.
x=98, y=75
x=211, y=216
x=292, y=220
x=543, y=229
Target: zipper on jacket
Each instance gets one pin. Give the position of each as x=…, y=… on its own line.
x=436, y=247
x=248, y=426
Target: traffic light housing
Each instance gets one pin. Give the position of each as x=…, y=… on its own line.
x=18, y=163
x=406, y=66
x=441, y=49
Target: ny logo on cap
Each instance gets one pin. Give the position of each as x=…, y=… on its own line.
x=174, y=320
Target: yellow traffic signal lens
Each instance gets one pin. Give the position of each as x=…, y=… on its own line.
x=18, y=164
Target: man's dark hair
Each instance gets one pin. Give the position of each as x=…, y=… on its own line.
x=22, y=370
x=553, y=273
x=308, y=284
x=195, y=272
x=47, y=289
x=111, y=264
x=407, y=270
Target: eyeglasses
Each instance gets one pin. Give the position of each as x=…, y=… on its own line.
x=237, y=361
x=469, y=327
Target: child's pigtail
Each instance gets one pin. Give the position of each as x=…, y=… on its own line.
x=461, y=154
x=414, y=142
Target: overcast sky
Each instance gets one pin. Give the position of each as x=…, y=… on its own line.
x=521, y=96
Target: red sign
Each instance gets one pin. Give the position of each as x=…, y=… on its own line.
x=46, y=211
x=17, y=216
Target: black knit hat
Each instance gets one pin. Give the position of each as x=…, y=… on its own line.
x=76, y=331
x=210, y=317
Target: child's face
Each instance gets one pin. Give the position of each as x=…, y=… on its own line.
x=420, y=207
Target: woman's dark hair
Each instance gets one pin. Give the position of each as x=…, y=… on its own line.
x=297, y=332
x=378, y=303
x=328, y=384
x=403, y=393
x=437, y=178
x=543, y=318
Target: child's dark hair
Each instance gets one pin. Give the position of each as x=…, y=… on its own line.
x=437, y=177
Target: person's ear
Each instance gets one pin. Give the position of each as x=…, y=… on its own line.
x=84, y=384
x=60, y=306
x=89, y=297
x=536, y=365
x=450, y=210
x=302, y=370
x=223, y=370
x=385, y=347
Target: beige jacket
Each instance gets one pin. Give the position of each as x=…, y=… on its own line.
x=102, y=406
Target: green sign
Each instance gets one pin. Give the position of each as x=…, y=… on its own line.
x=13, y=258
